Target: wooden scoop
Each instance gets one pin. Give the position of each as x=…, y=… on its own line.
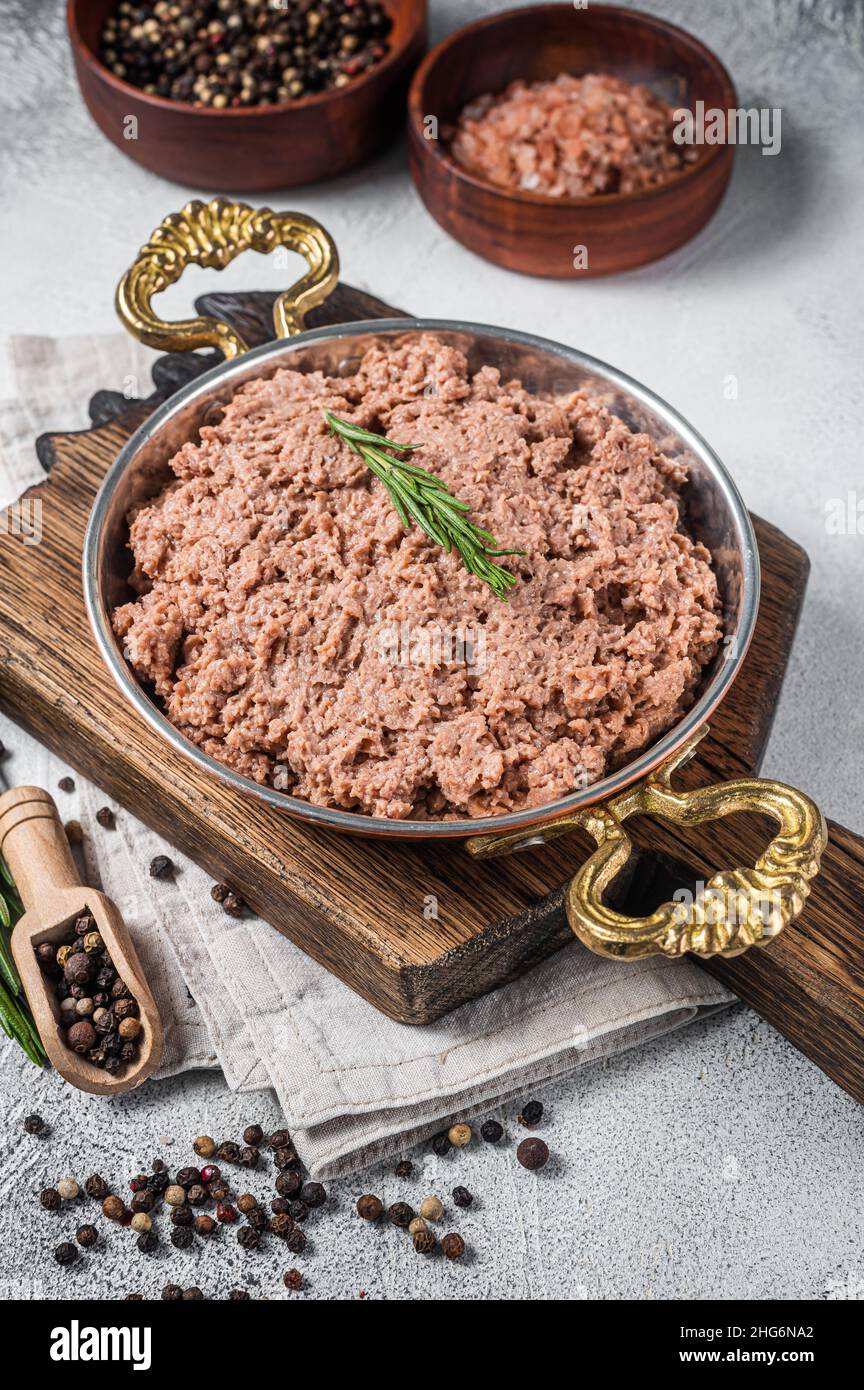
x=34, y=845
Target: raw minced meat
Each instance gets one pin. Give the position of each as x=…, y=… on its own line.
x=573, y=137
x=279, y=593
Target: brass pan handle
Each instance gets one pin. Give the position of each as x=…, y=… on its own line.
x=212, y=234
x=739, y=907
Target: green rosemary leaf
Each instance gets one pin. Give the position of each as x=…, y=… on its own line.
x=425, y=499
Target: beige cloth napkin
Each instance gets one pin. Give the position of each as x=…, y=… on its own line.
x=354, y=1085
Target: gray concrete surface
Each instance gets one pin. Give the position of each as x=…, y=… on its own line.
x=716, y=1162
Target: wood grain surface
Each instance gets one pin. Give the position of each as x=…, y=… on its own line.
x=356, y=904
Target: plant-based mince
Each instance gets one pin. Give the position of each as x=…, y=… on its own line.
x=273, y=565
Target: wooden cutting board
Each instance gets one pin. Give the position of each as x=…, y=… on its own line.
x=363, y=907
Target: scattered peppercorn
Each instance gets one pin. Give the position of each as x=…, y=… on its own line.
x=249, y=1156
x=253, y=1135
x=400, y=1214
x=181, y=1237
x=532, y=1153
x=233, y=905
x=453, y=1246
x=441, y=1144
x=193, y=1295
x=281, y=1224
x=248, y=1237
x=81, y=1036
x=34, y=1124
x=182, y=1215
x=161, y=867
x=86, y=1236
x=404, y=1168
x=424, y=1242
x=68, y=1189
x=298, y=1209
x=106, y=818
x=142, y=1202
x=209, y=1173
x=432, y=1208
x=113, y=1208
x=369, y=1207
x=280, y=1205
x=491, y=1131
x=66, y=1253
x=175, y=1195
x=296, y=1241
x=225, y=1212
x=532, y=1114
x=228, y=1152
x=66, y=784
x=418, y=1224
x=219, y=1190
x=313, y=1194
x=147, y=1242
x=459, y=1135
x=219, y=892
x=288, y=1184
x=239, y=1296
x=279, y=1139
x=286, y=1157
x=197, y=1195
x=462, y=1197
x=187, y=1177
x=172, y=1293
x=292, y=1279
x=246, y=1203
x=204, y=1224
x=141, y=1222
x=205, y=1147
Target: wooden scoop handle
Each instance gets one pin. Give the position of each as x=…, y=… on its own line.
x=34, y=845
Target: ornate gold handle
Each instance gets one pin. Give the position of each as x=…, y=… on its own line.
x=212, y=234
x=736, y=909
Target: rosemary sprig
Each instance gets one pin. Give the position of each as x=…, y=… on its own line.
x=421, y=497
x=15, y=1018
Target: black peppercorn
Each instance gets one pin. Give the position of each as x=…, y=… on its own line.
x=86, y=1236
x=105, y=817
x=293, y=1279
x=286, y=1157
x=248, y=1237
x=34, y=1124
x=313, y=1194
x=66, y=1253
x=453, y=1246
x=197, y=1195
x=462, y=1197
x=424, y=1242
x=228, y=1152
x=279, y=1139
x=532, y=1153
x=186, y=1177
x=182, y=1215
x=279, y=1206
x=157, y=1182
x=249, y=1156
x=257, y=1219
x=234, y=905
x=298, y=1209
x=532, y=1114
x=296, y=1241
x=161, y=866
x=219, y=892
x=253, y=1135
x=491, y=1131
x=400, y=1214
x=193, y=1295
x=142, y=1201
x=288, y=1184
x=404, y=1169
x=66, y=784
x=239, y=1296
x=281, y=1224
x=50, y=1198
x=181, y=1237
x=441, y=1144
x=147, y=1242
x=369, y=1206
x=172, y=1293
x=204, y=1224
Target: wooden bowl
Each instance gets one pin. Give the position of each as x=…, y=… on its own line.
x=529, y=231
x=250, y=148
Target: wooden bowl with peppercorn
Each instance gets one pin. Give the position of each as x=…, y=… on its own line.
x=247, y=96
x=544, y=138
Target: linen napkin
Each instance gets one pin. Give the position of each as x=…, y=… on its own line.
x=354, y=1086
